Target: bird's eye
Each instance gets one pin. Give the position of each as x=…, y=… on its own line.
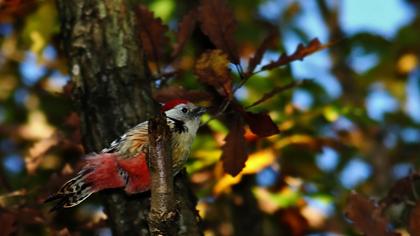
x=184, y=110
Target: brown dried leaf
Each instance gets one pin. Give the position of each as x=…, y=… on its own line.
x=366, y=216
x=7, y=222
x=414, y=221
x=293, y=218
x=261, y=124
x=152, y=34
x=168, y=93
x=212, y=69
x=401, y=191
x=234, y=153
x=218, y=23
x=300, y=53
x=267, y=43
x=185, y=29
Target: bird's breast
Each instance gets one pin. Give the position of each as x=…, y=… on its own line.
x=181, y=148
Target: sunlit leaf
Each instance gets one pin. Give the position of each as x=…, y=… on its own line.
x=256, y=162
x=212, y=69
x=40, y=26
x=271, y=202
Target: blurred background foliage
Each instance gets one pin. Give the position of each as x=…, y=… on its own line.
x=355, y=127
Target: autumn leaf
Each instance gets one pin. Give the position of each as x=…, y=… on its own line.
x=152, y=34
x=234, y=153
x=171, y=92
x=268, y=42
x=7, y=222
x=212, y=69
x=12, y=10
x=261, y=124
x=218, y=23
x=414, y=221
x=300, y=53
x=367, y=216
x=401, y=190
x=185, y=29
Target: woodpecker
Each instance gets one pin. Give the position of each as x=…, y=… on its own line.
x=124, y=163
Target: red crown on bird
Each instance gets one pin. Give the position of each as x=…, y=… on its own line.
x=173, y=103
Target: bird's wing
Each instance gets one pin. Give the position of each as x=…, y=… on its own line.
x=131, y=143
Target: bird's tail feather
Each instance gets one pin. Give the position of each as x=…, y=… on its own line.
x=101, y=171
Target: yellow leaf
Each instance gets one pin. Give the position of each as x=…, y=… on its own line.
x=407, y=63
x=255, y=163
x=258, y=161
x=225, y=182
x=294, y=139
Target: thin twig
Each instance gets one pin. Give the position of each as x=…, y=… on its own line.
x=219, y=113
x=277, y=90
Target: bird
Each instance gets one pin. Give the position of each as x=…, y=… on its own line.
x=124, y=164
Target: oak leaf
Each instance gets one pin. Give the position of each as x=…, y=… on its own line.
x=234, y=153
x=271, y=39
x=185, y=29
x=152, y=34
x=367, y=216
x=218, y=23
x=300, y=53
x=212, y=69
x=261, y=124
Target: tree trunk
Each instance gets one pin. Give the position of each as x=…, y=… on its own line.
x=112, y=90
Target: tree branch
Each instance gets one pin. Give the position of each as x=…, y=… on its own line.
x=162, y=213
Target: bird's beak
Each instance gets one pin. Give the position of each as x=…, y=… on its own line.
x=199, y=111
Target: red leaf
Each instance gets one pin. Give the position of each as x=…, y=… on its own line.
x=185, y=29
x=152, y=34
x=7, y=222
x=234, y=153
x=13, y=10
x=169, y=93
x=261, y=124
x=414, y=221
x=301, y=52
x=268, y=42
x=366, y=216
x=212, y=69
x=218, y=23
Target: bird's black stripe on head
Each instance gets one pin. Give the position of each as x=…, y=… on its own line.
x=179, y=126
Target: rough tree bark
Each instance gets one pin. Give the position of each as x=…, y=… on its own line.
x=112, y=90
x=162, y=214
